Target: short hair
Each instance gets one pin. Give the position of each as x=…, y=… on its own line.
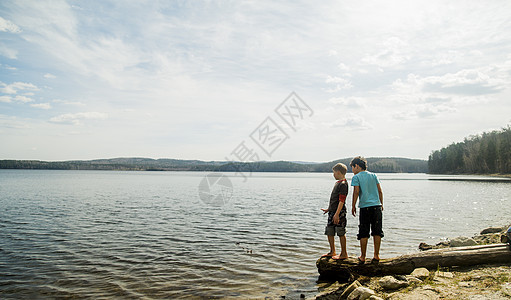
x=341, y=168
x=359, y=160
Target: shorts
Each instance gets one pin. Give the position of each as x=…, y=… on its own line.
x=370, y=218
x=331, y=228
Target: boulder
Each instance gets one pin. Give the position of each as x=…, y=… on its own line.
x=462, y=242
x=391, y=283
x=350, y=289
x=492, y=230
x=421, y=273
x=361, y=293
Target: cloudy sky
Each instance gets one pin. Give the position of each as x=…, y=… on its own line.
x=210, y=80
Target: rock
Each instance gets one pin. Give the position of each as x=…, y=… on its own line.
x=462, y=242
x=490, y=238
x=331, y=292
x=492, y=230
x=424, y=247
x=421, y=273
x=391, y=283
x=504, y=239
x=374, y=297
x=350, y=289
x=506, y=289
x=413, y=280
x=482, y=277
x=441, y=274
x=361, y=293
x=430, y=288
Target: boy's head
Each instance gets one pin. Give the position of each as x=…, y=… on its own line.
x=360, y=161
x=339, y=170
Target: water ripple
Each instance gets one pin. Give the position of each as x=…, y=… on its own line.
x=122, y=235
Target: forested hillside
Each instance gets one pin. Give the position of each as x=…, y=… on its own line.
x=379, y=165
x=487, y=153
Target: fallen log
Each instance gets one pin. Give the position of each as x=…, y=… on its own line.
x=405, y=264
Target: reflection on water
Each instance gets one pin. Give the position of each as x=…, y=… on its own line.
x=147, y=234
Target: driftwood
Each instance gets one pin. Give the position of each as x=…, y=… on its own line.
x=405, y=264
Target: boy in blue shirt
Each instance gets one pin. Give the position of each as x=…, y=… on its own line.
x=367, y=187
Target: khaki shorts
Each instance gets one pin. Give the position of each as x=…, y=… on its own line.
x=332, y=229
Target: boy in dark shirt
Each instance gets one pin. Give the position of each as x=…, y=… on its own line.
x=337, y=212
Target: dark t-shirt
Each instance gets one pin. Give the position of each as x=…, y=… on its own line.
x=340, y=188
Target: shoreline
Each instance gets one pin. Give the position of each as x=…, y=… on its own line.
x=482, y=281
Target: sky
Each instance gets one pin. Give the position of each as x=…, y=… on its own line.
x=250, y=80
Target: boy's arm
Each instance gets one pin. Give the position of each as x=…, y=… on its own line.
x=380, y=194
x=342, y=199
x=356, y=190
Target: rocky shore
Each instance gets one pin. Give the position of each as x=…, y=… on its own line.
x=476, y=282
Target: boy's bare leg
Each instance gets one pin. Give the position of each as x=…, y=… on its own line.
x=331, y=242
x=377, y=243
x=344, y=252
x=363, y=248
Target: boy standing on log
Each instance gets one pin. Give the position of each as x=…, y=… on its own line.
x=367, y=187
x=337, y=212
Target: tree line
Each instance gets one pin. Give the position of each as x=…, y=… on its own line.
x=486, y=153
x=379, y=165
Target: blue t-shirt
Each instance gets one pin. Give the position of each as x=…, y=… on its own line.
x=368, y=190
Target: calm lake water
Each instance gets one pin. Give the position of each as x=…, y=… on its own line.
x=104, y=234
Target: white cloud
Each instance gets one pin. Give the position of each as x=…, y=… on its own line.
x=343, y=67
x=468, y=82
x=8, y=26
x=352, y=122
x=5, y=99
x=391, y=53
x=13, y=88
x=351, y=102
x=12, y=122
x=18, y=98
x=76, y=119
x=465, y=82
x=41, y=105
x=423, y=111
x=65, y=102
x=340, y=83
x=8, y=52
x=23, y=99
x=49, y=76
x=7, y=67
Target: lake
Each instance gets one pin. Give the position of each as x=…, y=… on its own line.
x=132, y=235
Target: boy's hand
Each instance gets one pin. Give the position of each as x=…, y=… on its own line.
x=324, y=210
x=354, y=211
x=336, y=219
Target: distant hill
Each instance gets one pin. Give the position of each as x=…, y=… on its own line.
x=376, y=164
